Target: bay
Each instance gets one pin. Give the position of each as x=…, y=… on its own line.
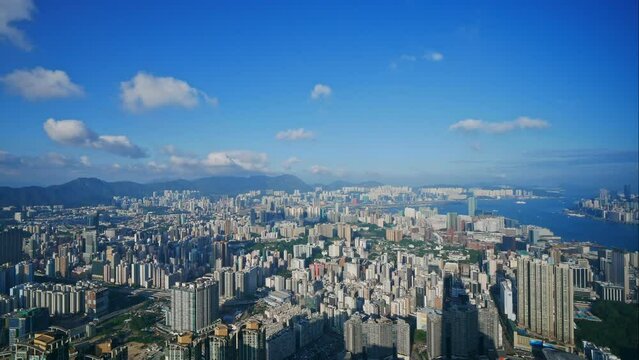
x=549, y=213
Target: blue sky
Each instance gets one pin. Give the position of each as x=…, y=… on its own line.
x=522, y=93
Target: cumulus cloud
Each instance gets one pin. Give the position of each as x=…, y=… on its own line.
x=146, y=91
x=321, y=91
x=76, y=133
x=232, y=161
x=434, y=56
x=84, y=160
x=290, y=162
x=295, y=134
x=12, y=11
x=41, y=84
x=320, y=170
x=521, y=123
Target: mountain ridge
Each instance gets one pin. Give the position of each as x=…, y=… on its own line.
x=94, y=191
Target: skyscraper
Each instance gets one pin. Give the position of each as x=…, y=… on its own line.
x=472, y=205
x=545, y=299
x=90, y=236
x=194, y=306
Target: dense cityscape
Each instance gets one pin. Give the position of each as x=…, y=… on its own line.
x=319, y=180
x=358, y=272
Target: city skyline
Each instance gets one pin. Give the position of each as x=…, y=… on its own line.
x=525, y=94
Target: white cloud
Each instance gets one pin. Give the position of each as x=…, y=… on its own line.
x=76, y=133
x=474, y=125
x=320, y=170
x=119, y=145
x=295, y=134
x=84, y=160
x=434, y=56
x=40, y=84
x=290, y=162
x=223, y=161
x=69, y=132
x=321, y=91
x=247, y=160
x=145, y=91
x=12, y=11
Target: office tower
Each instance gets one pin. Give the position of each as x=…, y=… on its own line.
x=90, y=243
x=252, y=341
x=506, y=299
x=627, y=191
x=10, y=245
x=403, y=339
x=545, y=299
x=353, y=335
x=472, y=205
x=194, y=306
x=451, y=221
x=222, y=343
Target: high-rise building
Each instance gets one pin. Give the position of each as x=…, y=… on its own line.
x=185, y=347
x=222, y=343
x=472, y=205
x=90, y=237
x=461, y=330
x=434, y=330
x=10, y=245
x=545, y=299
x=194, y=306
x=252, y=342
x=506, y=299
x=353, y=335
x=451, y=221
x=403, y=339
x=379, y=338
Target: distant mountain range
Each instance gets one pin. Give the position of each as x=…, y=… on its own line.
x=92, y=191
